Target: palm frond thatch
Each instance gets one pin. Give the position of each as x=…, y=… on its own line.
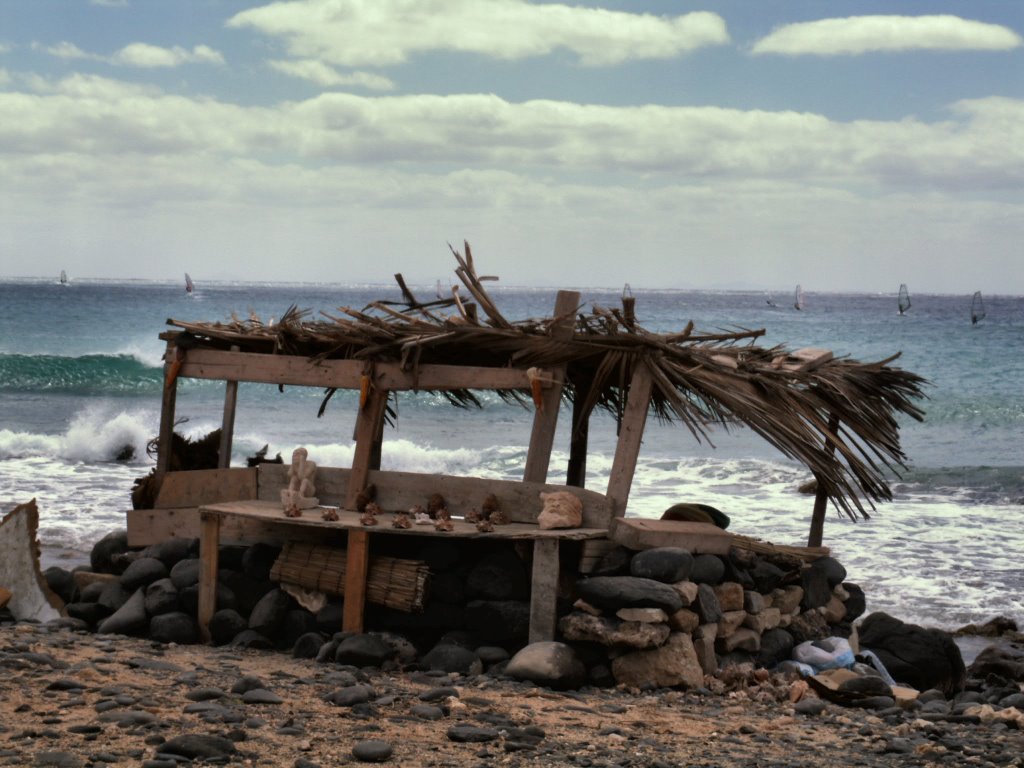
x=700, y=380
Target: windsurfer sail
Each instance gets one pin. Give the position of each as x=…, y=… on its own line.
x=977, y=308
x=904, y=300
x=63, y=277
x=189, y=285
x=798, y=297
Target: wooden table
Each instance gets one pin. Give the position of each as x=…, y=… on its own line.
x=543, y=593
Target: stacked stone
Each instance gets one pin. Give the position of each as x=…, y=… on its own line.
x=665, y=617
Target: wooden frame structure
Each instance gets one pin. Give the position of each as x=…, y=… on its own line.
x=257, y=509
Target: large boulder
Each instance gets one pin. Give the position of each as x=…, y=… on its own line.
x=610, y=593
x=104, y=552
x=665, y=564
x=922, y=658
x=548, y=663
x=674, y=663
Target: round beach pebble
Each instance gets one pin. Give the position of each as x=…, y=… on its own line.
x=372, y=751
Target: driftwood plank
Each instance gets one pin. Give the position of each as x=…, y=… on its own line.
x=205, y=486
x=227, y=429
x=631, y=432
x=344, y=374
x=209, y=550
x=152, y=526
x=368, y=427
x=544, y=590
x=167, y=406
x=357, y=561
x=641, y=533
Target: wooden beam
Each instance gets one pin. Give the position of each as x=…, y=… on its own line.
x=344, y=374
x=209, y=545
x=576, y=474
x=356, y=565
x=167, y=406
x=631, y=432
x=545, y=420
x=227, y=427
x=368, y=427
x=817, y=530
x=544, y=590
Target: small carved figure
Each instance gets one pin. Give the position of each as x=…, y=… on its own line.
x=473, y=516
x=443, y=514
x=435, y=504
x=299, y=493
x=330, y=514
x=497, y=517
x=401, y=521
x=489, y=506
x=562, y=509
x=367, y=519
x=443, y=524
x=484, y=526
x=365, y=496
x=372, y=508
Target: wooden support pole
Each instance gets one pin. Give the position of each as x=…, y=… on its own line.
x=167, y=406
x=227, y=428
x=576, y=474
x=369, y=426
x=544, y=590
x=631, y=432
x=209, y=546
x=545, y=420
x=817, y=530
x=356, y=566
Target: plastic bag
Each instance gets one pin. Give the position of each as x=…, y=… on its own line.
x=830, y=653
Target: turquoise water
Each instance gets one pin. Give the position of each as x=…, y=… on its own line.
x=80, y=379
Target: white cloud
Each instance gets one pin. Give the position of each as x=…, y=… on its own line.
x=325, y=75
x=110, y=3
x=148, y=56
x=66, y=50
x=864, y=34
x=384, y=32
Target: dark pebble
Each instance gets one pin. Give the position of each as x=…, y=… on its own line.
x=427, y=712
x=471, y=734
x=438, y=694
x=261, y=696
x=372, y=751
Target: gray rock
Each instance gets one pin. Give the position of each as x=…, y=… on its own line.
x=268, y=614
x=583, y=627
x=921, y=658
x=101, y=558
x=856, y=603
x=261, y=696
x=372, y=751
x=674, y=663
x=113, y=596
x=308, y=646
x=258, y=559
x=426, y=712
x=54, y=759
x=198, y=745
x=351, y=696
x=472, y=734
x=172, y=551
x=174, y=627
x=776, y=646
x=363, y=650
x=809, y=707
x=161, y=597
x=665, y=564
x=834, y=571
x=706, y=605
x=143, y=572
x=62, y=583
x=548, y=663
x=613, y=592
x=129, y=619
x=297, y=623
x=491, y=654
x=225, y=625
x=447, y=657
x=250, y=638
x=817, y=591
x=707, y=569
x=185, y=573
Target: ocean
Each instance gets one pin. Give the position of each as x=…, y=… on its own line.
x=81, y=374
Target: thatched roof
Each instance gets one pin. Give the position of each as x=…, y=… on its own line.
x=700, y=380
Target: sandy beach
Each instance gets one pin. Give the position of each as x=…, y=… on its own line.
x=70, y=698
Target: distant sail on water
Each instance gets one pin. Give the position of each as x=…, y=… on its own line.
x=189, y=286
x=798, y=297
x=904, y=300
x=977, y=308
x=63, y=277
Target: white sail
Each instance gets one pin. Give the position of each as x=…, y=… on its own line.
x=977, y=308
x=63, y=277
x=189, y=286
x=904, y=300
x=798, y=297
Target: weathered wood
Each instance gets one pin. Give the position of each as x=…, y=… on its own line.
x=576, y=473
x=152, y=526
x=167, y=406
x=544, y=590
x=344, y=374
x=209, y=547
x=642, y=533
x=631, y=432
x=806, y=359
x=227, y=428
x=356, y=563
x=206, y=486
x=369, y=424
x=545, y=420
x=817, y=529
x=398, y=491
x=591, y=553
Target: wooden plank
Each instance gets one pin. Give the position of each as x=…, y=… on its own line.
x=576, y=474
x=227, y=427
x=209, y=551
x=205, y=486
x=631, y=432
x=167, y=406
x=544, y=590
x=368, y=427
x=545, y=420
x=356, y=563
x=344, y=374
x=641, y=533
x=152, y=526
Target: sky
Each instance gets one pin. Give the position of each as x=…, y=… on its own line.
x=747, y=144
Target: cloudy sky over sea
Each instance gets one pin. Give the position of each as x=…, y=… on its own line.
x=665, y=143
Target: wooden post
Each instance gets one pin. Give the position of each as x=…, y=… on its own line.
x=172, y=358
x=631, y=432
x=817, y=530
x=227, y=428
x=357, y=562
x=544, y=590
x=209, y=545
x=576, y=474
x=542, y=438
